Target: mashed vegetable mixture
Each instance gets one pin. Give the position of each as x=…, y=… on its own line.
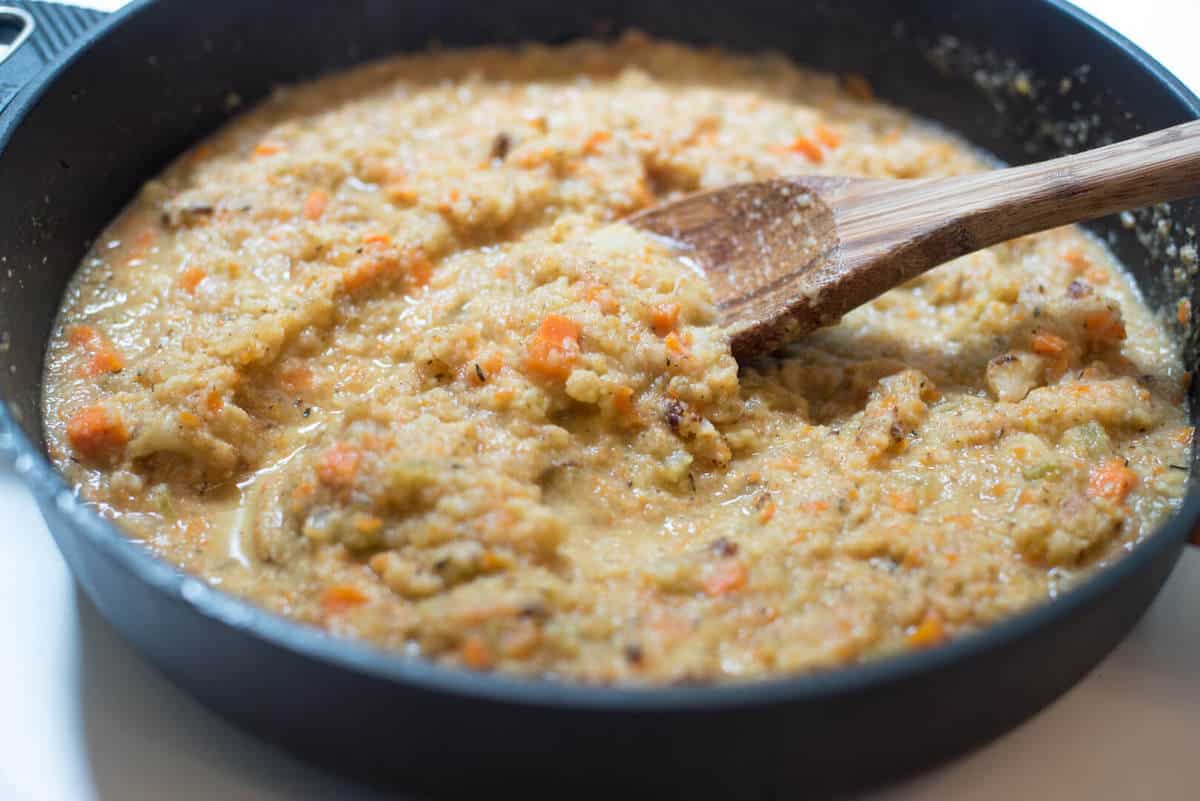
x=381, y=357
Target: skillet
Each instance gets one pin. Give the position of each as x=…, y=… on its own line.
x=91, y=108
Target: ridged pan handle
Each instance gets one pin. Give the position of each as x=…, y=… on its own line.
x=32, y=35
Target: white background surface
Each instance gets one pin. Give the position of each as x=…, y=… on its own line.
x=83, y=718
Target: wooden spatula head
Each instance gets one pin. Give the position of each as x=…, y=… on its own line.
x=764, y=247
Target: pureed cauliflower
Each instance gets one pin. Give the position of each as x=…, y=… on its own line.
x=381, y=357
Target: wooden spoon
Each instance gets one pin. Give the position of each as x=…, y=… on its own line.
x=788, y=255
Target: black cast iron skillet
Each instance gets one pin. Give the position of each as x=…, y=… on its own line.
x=84, y=129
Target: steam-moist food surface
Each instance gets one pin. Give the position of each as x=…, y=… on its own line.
x=381, y=357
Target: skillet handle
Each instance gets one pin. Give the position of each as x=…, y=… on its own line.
x=32, y=35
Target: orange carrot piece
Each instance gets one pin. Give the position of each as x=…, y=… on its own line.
x=554, y=348
x=315, y=203
x=1183, y=311
x=82, y=335
x=420, y=268
x=1075, y=258
x=1047, y=344
x=338, y=598
x=1104, y=326
x=729, y=576
x=807, y=148
x=339, y=465
x=930, y=632
x=265, y=148
x=296, y=379
x=191, y=278
x=1112, y=480
x=103, y=357
x=96, y=433
x=377, y=239
x=592, y=144
x=767, y=512
x=664, y=317
x=623, y=401
x=675, y=345
x=903, y=502
x=475, y=653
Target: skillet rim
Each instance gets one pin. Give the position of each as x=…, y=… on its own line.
x=48, y=488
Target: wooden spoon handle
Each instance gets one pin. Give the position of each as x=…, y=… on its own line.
x=955, y=216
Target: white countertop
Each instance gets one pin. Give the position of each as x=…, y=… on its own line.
x=84, y=718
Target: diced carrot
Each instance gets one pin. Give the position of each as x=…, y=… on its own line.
x=315, y=203
x=623, y=401
x=420, y=268
x=1047, y=344
x=367, y=524
x=1075, y=258
x=338, y=598
x=554, y=348
x=475, y=653
x=675, y=345
x=1183, y=311
x=303, y=490
x=377, y=239
x=814, y=507
x=600, y=294
x=592, y=144
x=930, y=632
x=664, y=317
x=189, y=420
x=493, y=363
x=103, y=357
x=191, y=278
x=903, y=502
x=1104, y=326
x=267, y=148
x=296, y=379
x=807, y=148
x=1112, y=480
x=106, y=360
x=827, y=136
x=400, y=192
x=96, y=433
x=767, y=512
x=82, y=335
x=339, y=465
x=858, y=87
x=213, y=402
x=370, y=269
x=142, y=242
x=491, y=561
x=502, y=270
x=729, y=576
